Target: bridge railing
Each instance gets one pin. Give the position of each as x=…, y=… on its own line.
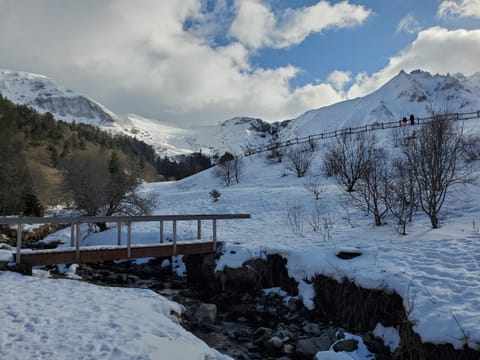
x=75, y=223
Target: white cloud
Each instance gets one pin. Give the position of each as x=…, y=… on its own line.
x=339, y=79
x=143, y=59
x=409, y=25
x=256, y=26
x=460, y=8
x=431, y=51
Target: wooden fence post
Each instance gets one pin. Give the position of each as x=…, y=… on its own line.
x=174, y=240
x=77, y=243
x=19, y=243
x=119, y=233
x=161, y=231
x=214, y=234
x=72, y=235
x=129, y=240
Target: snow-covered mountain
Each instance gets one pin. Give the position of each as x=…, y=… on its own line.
x=44, y=95
x=234, y=135
x=416, y=93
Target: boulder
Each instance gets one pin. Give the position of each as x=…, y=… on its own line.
x=312, y=329
x=261, y=335
x=307, y=348
x=206, y=313
x=273, y=345
x=348, y=345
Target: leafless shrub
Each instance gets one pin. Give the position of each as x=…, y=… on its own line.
x=321, y=221
x=313, y=185
x=299, y=160
x=348, y=157
x=296, y=218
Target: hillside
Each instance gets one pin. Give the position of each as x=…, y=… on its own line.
x=34, y=148
x=417, y=93
x=435, y=271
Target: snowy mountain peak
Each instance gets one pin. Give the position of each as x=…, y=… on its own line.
x=45, y=95
x=418, y=93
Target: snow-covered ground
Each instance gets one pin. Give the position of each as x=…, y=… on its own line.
x=43, y=318
x=437, y=272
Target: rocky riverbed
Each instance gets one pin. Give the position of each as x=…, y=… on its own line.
x=261, y=325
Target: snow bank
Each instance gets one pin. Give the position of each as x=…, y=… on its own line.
x=44, y=318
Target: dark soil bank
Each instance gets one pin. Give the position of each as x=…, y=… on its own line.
x=230, y=312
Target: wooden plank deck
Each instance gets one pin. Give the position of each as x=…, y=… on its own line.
x=95, y=254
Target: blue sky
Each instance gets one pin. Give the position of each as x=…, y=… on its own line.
x=203, y=61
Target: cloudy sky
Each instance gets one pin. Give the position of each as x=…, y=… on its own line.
x=203, y=61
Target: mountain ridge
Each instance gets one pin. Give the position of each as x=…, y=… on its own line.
x=418, y=93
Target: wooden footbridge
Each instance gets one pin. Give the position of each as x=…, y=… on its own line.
x=76, y=254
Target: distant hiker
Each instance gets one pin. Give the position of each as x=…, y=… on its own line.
x=412, y=119
x=404, y=122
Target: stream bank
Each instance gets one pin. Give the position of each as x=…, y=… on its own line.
x=231, y=312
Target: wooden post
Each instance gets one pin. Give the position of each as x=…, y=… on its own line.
x=72, y=235
x=174, y=247
x=161, y=231
x=19, y=243
x=119, y=233
x=129, y=240
x=199, y=229
x=214, y=234
x=77, y=243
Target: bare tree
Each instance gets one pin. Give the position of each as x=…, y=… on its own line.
x=105, y=187
x=435, y=157
x=299, y=160
x=372, y=187
x=238, y=167
x=401, y=196
x=229, y=168
x=224, y=169
x=348, y=158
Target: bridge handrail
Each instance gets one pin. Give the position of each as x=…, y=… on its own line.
x=116, y=219
x=75, y=222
